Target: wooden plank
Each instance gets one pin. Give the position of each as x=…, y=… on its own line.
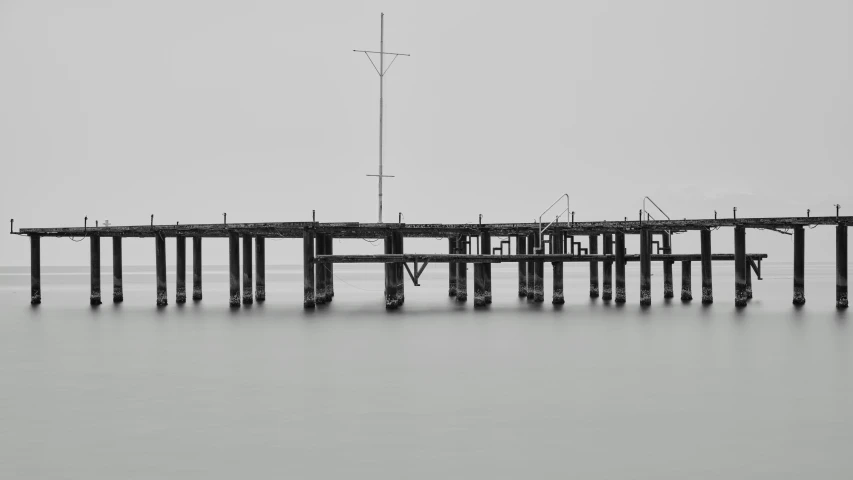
x=446, y=258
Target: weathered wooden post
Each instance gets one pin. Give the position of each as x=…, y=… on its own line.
x=95, y=269
x=330, y=269
x=593, y=267
x=607, y=280
x=705, y=248
x=486, y=249
x=686, y=281
x=521, y=249
x=160, y=262
x=118, y=287
x=260, y=269
x=645, y=267
x=35, y=269
x=399, y=275
x=461, y=273
x=234, y=268
x=799, y=265
x=667, y=266
x=320, y=270
x=539, y=273
x=390, y=275
x=308, y=269
x=557, y=248
x=620, y=268
x=841, y=266
x=197, y=268
x=451, y=268
x=181, y=269
x=247, y=269
x=531, y=266
x=740, y=266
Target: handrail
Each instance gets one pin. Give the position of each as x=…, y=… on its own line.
x=656, y=206
x=568, y=206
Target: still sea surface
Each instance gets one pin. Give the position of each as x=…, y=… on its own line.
x=436, y=390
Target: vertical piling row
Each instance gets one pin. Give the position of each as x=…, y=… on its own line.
x=686, y=281
x=35, y=269
x=390, y=276
x=260, y=269
x=531, y=266
x=247, y=270
x=740, y=266
x=320, y=270
x=557, y=248
x=197, y=268
x=234, y=268
x=521, y=249
x=95, y=269
x=620, y=268
x=461, y=273
x=118, y=287
x=160, y=262
x=451, y=268
x=181, y=269
x=399, y=273
x=330, y=269
x=486, y=249
x=593, y=267
x=799, y=265
x=667, y=266
x=705, y=248
x=307, y=269
x=841, y=266
x=607, y=276
x=645, y=267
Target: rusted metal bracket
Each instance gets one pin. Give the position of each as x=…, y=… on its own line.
x=755, y=268
x=417, y=273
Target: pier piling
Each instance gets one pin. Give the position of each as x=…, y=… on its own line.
x=330, y=269
x=593, y=267
x=799, y=265
x=479, y=285
x=705, y=248
x=320, y=270
x=451, y=268
x=247, y=270
x=748, y=279
x=118, y=287
x=841, y=265
x=607, y=267
x=95, y=269
x=486, y=249
x=390, y=276
x=667, y=266
x=740, y=266
x=686, y=281
x=307, y=269
x=620, y=268
x=645, y=267
x=197, y=268
x=461, y=273
x=531, y=266
x=234, y=268
x=559, y=297
x=399, y=274
x=160, y=263
x=181, y=269
x=539, y=273
x=260, y=269
x=521, y=249
x=35, y=269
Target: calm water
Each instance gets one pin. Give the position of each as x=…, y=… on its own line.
x=436, y=390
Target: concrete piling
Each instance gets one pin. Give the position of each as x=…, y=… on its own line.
x=841, y=266
x=521, y=249
x=247, y=270
x=748, y=280
x=35, y=269
x=197, y=268
x=260, y=269
x=399, y=273
x=486, y=249
x=645, y=267
x=451, y=268
x=181, y=269
x=686, y=281
x=461, y=273
x=160, y=263
x=307, y=269
x=390, y=276
x=320, y=270
x=558, y=297
x=95, y=269
x=330, y=269
x=234, y=268
x=705, y=250
x=593, y=267
x=620, y=268
x=531, y=266
x=740, y=266
x=799, y=265
x=607, y=267
x=667, y=266
x=118, y=286
x=539, y=273
x=479, y=285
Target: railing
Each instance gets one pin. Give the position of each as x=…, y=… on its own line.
x=557, y=219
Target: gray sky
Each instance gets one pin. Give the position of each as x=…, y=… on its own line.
x=187, y=109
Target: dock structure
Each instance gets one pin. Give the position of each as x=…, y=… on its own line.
x=530, y=254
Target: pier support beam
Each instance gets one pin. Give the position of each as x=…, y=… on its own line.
x=539, y=273
x=307, y=269
x=593, y=267
x=234, y=269
x=740, y=266
x=705, y=250
x=160, y=263
x=461, y=273
x=799, y=266
x=330, y=269
x=390, y=276
x=841, y=266
x=118, y=287
x=451, y=268
x=196, y=268
x=95, y=269
x=686, y=281
x=486, y=249
x=260, y=269
x=247, y=270
x=607, y=277
x=399, y=274
x=531, y=266
x=620, y=268
x=645, y=267
x=35, y=269
x=181, y=269
x=520, y=249
x=557, y=248
x=667, y=266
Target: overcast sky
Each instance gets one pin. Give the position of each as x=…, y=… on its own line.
x=187, y=109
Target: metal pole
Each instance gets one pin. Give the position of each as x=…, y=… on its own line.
x=381, y=104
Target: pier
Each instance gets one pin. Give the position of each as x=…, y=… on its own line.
x=530, y=245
